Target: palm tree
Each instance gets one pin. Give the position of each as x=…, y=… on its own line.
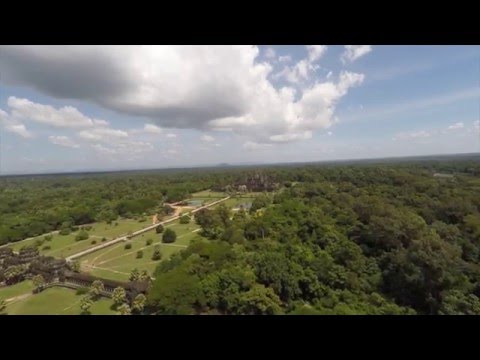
x=124, y=310
x=139, y=303
x=85, y=304
x=38, y=281
x=96, y=288
x=119, y=296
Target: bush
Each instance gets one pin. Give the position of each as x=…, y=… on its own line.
x=93, y=242
x=82, y=291
x=139, y=254
x=82, y=235
x=157, y=255
x=87, y=228
x=48, y=238
x=159, y=229
x=127, y=246
x=39, y=242
x=149, y=242
x=142, y=219
x=104, y=239
x=46, y=247
x=185, y=219
x=64, y=232
x=169, y=236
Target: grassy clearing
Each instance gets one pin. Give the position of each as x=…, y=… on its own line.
x=56, y=301
x=209, y=194
x=21, y=288
x=65, y=245
x=116, y=262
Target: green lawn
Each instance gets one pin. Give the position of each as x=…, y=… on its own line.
x=209, y=194
x=65, y=245
x=21, y=288
x=57, y=301
x=116, y=262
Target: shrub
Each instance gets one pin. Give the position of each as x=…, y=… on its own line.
x=159, y=229
x=82, y=291
x=82, y=235
x=139, y=254
x=157, y=255
x=127, y=246
x=93, y=242
x=149, y=242
x=64, y=232
x=169, y=236
x=104, y=239
x=88, y=228
x=46, y=247
x=48, y=238
x=185, y=219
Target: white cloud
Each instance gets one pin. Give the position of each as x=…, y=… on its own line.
x=14, y=126
x=63, y=141
x=66, y=116
x=199, y=87
x=101, y=122
x=270, y=53
x=315, y=52
x=456, y=126
x=412, y=135
x=251, y=145
x=102, y=134
x=152, y=129
x=285, y=58
x=476, y=124
x=329, y=133
x=354, y=52
x=172, y=136
x=207, y=138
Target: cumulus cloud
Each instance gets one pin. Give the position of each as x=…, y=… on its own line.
x=13, y=126
x=354, y=52
x=270, y=53
x=476, y=124
x=172, y=136
x=285, y=58
x=102, y=134
x=63, y=141
x=152, y=129
x=251, y=145
x=412, y=135
x=66, y=116
x=207, y=138
x=456, y=126
x=200, y=87
x=315, y=52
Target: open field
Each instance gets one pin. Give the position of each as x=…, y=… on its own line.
x=116, y=262
x=22, y=288
x=209, y=194
x=56, y=301
x=65, y=245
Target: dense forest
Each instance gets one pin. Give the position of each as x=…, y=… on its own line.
x=383, y=239
x=399, y=238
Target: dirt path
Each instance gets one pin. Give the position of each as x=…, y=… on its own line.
x=18, y=298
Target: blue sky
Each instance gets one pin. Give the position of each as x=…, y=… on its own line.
x=69, y=108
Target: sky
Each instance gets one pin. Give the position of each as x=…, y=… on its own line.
x=86, y=108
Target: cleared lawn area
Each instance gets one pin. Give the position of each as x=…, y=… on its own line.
x=116, y=262
x=209, y=194
x=65, y=245
x=57, y=301
x=21, y=288
x=233, y=202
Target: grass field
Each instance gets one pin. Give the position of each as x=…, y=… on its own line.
x=209, y=194
x=65, y=245
x=56, y=301
x=116, y=262
x=21, y=288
